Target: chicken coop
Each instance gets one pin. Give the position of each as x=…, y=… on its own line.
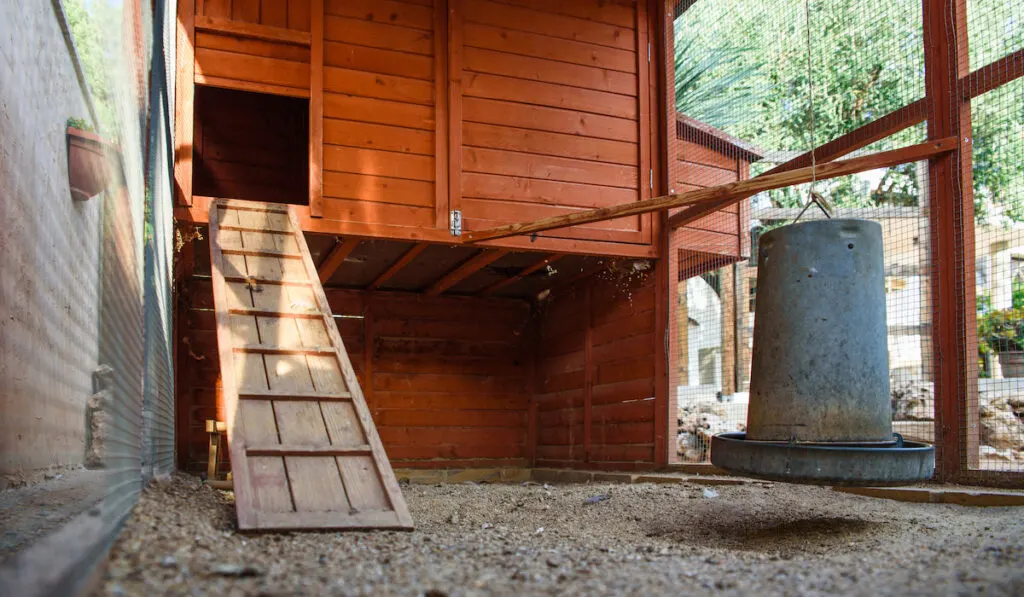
x=397, y=129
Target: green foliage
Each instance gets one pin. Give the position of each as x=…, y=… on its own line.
x=80, y=124
x=742, y=66
x=713, y=84
x=1018, y=293
x=95, y=26
x=1001, y=330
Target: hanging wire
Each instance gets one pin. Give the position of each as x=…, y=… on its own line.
x=813, y=198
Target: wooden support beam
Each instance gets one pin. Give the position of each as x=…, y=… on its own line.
x=546, y=261
x=953, y=315
x=398, y=265
x=335, y=258
x=726, y=194
x=470, y=267
x=252, y=31
x=994, y=74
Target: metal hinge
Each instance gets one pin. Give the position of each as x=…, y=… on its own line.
x=648, y=53
x=651, y=183
x=455, y=222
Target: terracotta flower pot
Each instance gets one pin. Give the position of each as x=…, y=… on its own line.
x=89, y=170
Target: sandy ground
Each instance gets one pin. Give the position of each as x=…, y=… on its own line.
x=763, y=539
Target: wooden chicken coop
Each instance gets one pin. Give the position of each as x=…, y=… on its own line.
x=397, y=129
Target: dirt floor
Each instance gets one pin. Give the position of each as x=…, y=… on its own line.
x=644, y=539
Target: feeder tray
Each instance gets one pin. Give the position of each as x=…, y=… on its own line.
x=820, y=409
x=898, y=463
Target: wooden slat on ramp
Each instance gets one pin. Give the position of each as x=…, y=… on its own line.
x=304, y=451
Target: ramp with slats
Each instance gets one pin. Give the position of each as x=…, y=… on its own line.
x=304, y=451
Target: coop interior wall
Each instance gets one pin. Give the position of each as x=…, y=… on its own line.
x=460, y=382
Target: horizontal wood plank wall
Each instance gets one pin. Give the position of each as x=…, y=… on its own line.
x=254, y=60
x=286, y=14
x=250, y=146
x=596, y=365
x=550, y=113
x=697, y=166
x=379, y=118
x=450, y=376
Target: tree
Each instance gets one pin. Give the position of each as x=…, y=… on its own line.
x=744, y=68
x=96, y=31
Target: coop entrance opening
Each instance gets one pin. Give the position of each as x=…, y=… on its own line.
x=251, y=146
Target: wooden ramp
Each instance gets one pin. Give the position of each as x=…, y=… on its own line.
x=304, y=451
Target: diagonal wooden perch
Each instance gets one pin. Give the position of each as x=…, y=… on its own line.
x=727, y=194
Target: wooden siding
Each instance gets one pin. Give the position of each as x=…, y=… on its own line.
x=379, y=112
x=450, y=376
x=286, y=14
x=595, y=381
x=698, y=166
x=550, y=105
x=253, y=45
x=701, y=156
x=507, y=110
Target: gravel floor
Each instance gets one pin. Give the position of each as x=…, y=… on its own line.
x=763, y=539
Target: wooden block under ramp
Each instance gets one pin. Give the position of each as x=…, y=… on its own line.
x=304, y=451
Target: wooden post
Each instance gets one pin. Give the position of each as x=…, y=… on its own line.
x=728, y=296
x=952, y=239
x=643, y=55
x=666, y=273
x=454, y=72
x=368, y=345
x=588, y=368
x=184, y=101
x=316, y=108
x=672, y=317
x=441, y=113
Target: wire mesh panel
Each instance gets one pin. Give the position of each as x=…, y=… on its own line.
x=995, y=31
x=770, y=81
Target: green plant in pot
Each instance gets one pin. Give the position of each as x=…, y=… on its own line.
x=1002, y=332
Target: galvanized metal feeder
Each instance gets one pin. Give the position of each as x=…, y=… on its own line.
x=819, y=408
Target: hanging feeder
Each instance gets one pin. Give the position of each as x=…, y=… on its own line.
x=819, y=407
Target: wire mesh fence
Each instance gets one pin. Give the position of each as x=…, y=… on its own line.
x=995, y=32
x=847, y=77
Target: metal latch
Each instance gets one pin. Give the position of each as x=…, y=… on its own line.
x=455, y=222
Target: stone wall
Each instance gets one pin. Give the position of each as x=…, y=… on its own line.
x=49, y=252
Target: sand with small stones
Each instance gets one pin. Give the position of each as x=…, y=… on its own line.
x=754, y=539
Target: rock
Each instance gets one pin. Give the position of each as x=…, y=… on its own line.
x=169, y=562
x=912, y=401
x=596, y=499
x=1000, y=427
x=990, y=453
